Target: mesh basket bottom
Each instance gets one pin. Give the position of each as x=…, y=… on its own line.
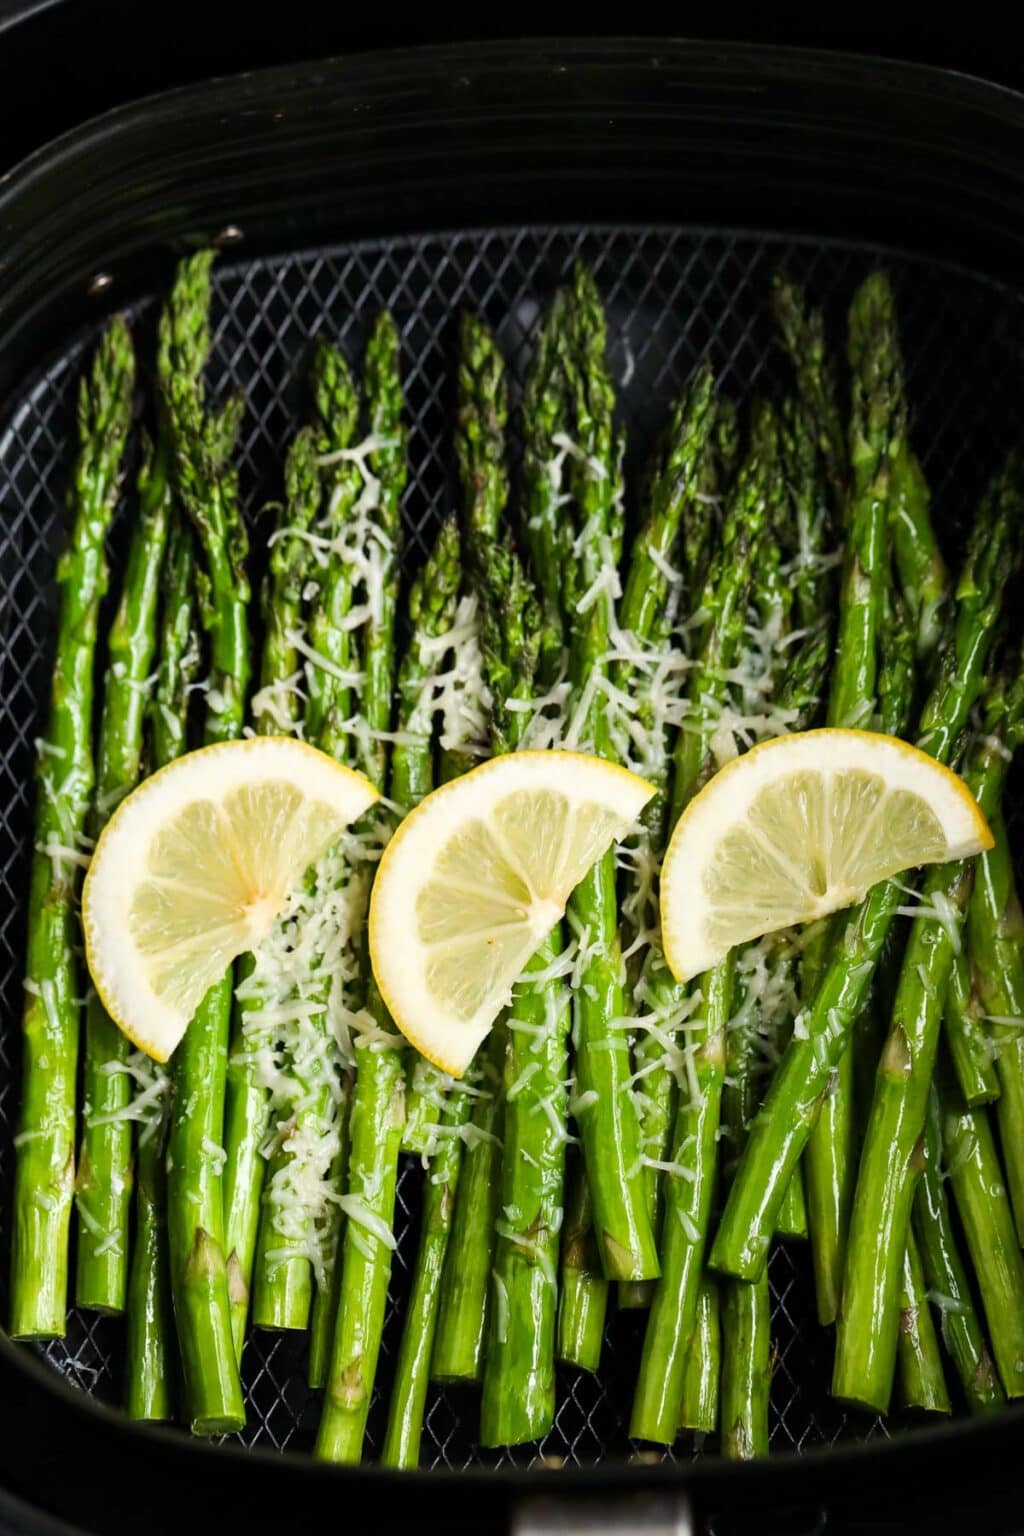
x=673, y=296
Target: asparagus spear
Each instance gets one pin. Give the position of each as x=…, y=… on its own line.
x=996, y=942
x=518, y=1381
x=701, y=1385
x=779, y=1132
x=687, y=1211
x=329, y=724
x=947, y=1279
x=648, y=606
x=466, y=1279
x=923, y=573
x=583, y=1294
x=207, y=484
x=103, y=1185
x=973, y=1168
x=412, y=1373
x=545, y=425
x=609, y=1126
x=876, y=420
x=971, y=1049
x=922, y=1382
x=432, y=600
x=745, y=1307
x=746, y=1369
x=275, y=710
x=309, y=1117
x=44, y=1168
x=480, y=448
x=868, y=1328
x=466, y=1283
x=658, y=1097
x=803, y=334
x=519, y=1368
x=801, y=678
x=149, y=1334
x=378, y=1105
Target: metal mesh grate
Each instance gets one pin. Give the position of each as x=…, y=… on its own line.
x=673, y=296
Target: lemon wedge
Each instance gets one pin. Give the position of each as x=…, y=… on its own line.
x=801, y=826
x=473, y=880
x=193, y=867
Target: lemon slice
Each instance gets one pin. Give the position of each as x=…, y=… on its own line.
x=193, y=867
x=802, y=826
x=475, y=877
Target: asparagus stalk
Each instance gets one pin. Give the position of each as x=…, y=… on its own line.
x=149, y=1332
x=746, y=1369
x=412, y=1373
x=583, y=1296
x=103, y=1185
x=780, y=1130
x=329, y=724
x=207, y=485
x=283, y=1289
x=923, y=573
x=518, y=1381
x=801, y=686
x=745, y=1307
x=701, y=1384
x=519, y=1368
x=678, y=503
x=947, y=1279
x=275, y=710
x=803, y=335
x=609, y=1126
x=891, y=1157
x=432, y=601
x=876, y=420
x=378, y=1106
x=971, y=1048
x=996, y=943
x=545, y=426
x=466, y=1279
x=670, y=1325
x=974, y=1172
x=687, y=1205
x=45, y=1162
x=466, y=1284
x=922, y=1382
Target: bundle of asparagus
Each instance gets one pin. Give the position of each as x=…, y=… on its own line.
x=832, y=1084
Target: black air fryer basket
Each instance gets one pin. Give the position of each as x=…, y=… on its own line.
x=427, y=181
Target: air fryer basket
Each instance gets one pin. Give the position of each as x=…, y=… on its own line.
x=677, y=289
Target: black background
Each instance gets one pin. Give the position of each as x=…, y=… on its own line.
x=64, y=60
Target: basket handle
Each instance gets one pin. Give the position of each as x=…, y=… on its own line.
x=638, y=1514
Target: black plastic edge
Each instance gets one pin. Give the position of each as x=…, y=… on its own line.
x=500, y=132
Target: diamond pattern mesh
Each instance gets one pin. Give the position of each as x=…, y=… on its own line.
x=673, y=296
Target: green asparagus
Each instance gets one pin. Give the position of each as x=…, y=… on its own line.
x=305, y=1119
x=45, y=1165
x=891, y=1156
x=876, y=420
x=922, y=1383
x=947, y=1280
x=975, y=1175
x=687, y=1204
x=206, y=484
x=149, y=1333
x=103, y=1184
x=378, y=1104
x=780, y=1130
